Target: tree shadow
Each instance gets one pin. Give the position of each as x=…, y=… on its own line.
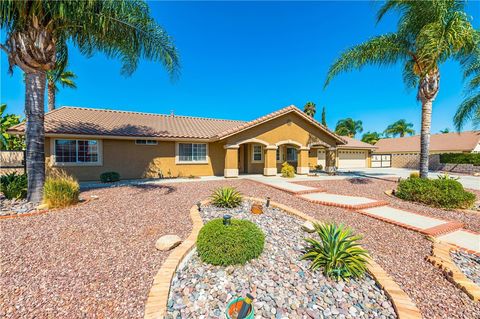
x=359, y=180
x=144, y=187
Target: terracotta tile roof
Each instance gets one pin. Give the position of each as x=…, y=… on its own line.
x=353, y=143
x=86, y=121
x=465, y=141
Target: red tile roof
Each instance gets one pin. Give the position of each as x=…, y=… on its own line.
x=465, y=142
x=353, y=143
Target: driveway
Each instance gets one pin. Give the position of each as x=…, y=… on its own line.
x=472, y=182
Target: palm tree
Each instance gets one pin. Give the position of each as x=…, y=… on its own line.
x=348, y=127
x=470, y=107
x=65, y=79
x=400, y=127
x=428, y=33
x=324, y=117
x=371, y=137
x=37, y=33
x=310, y=109
x=445, y=130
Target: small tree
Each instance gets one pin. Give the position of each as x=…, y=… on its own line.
x=445, y=130
x=10, y=142
x=324, y=117
x=348, y=127
x=310, y=109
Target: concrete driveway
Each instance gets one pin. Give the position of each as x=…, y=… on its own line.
x=472, y=182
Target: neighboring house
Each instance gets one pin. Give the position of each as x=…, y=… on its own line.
x=405, y=151
x=87, y=142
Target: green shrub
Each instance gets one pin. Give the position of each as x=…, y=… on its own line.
x=460, y=158
x=444, y=193
x=60, y=190
x=236, y=243
x=227, y=197
x=14, y=185
x=109, y=177
x=337, y=253
x=287, y=170
x=415, y=175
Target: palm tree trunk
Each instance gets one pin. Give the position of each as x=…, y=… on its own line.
x=427, y=93
x=35, y=134
x=51, y=96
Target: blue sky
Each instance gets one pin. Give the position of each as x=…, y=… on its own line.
x=241, y=60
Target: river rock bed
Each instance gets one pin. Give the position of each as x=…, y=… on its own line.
x=15, y=206
x=282, y=285
x=469, y=264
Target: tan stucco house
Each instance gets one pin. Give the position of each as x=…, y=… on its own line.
x=87, y=142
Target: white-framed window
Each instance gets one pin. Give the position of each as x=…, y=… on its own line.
x=291, y=154
x=146, y=142
x=76, y=152
x=192, y=153
x=279, y=155
x=257, y=153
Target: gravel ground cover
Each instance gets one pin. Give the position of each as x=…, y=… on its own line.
x=282, y=285
x=469, y=264
x=14, y=206
x=375, y=189
x=98, y=260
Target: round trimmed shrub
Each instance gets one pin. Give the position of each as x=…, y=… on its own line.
x=236, y=243
x=288, y=170
x=444, y=193
x=109, y=177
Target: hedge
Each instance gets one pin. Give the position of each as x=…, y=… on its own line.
x=460, y=158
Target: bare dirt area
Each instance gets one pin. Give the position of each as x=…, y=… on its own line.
x=375, y=188
x=98, y=260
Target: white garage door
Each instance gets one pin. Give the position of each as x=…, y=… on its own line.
x=352, y=159
x=321, y=158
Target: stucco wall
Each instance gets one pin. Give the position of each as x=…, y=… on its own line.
x=138, y=161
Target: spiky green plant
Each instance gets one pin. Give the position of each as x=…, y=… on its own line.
x=338, y=252
x=227, y=197
x=400, y=128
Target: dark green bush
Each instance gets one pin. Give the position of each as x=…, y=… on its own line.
x=460, y=158
x=338, y=252
x=14, y=185
x=237, y=243
x=227, y=197
x=444, y=193
x=109, y=177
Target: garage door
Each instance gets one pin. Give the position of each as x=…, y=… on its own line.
x=381, y=160
x=321, y=158
x=352, y=159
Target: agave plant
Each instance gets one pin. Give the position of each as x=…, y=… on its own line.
x=227, y=197
x=337, y=253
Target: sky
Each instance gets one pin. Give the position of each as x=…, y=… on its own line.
x=242, y=60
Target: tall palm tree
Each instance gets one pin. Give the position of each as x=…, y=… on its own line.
x=428, y=34
x=324, y=117
x=65, y=79
x=400, y=128
x=371, y=137
x=349, y=127
x=37, y=33
x=470, y=107
x=310, y=109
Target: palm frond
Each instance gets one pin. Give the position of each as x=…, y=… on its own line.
x=468, y=110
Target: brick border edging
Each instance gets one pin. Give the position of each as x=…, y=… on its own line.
x=156, y=304
x=307, y=191
x=441, y=259
x=346, y=206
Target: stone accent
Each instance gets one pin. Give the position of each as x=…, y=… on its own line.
x=230, y=172
x=441, y=258
x=458, y=168
x=168, y=242
x=270, y=171
x=308, y=227
x=302, y=170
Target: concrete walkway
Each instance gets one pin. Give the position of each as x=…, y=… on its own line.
x=447, y=231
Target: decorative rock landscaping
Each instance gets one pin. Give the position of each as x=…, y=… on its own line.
x=469, y=264
x=282, y=285
x=15, y=206
x=168, y=242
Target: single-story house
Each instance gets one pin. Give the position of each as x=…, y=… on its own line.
x=405, y=151
x=87, y=142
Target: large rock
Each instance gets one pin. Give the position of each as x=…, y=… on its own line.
x=308, y=227
x=168, y=242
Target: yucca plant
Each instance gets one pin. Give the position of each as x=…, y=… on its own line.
x=227, y=197
x=338, y=252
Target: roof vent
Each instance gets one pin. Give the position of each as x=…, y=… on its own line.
x=172, y=112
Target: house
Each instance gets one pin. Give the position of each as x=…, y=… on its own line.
x=87, y=142
x=405, y=151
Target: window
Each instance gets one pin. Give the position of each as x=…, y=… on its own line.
x=76, y=151
x=279, y=155
x=190, y=152
x=146, y=142
x=291, y=154
x=257, y=153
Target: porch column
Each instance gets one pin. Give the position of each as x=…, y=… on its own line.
x=302, y=160
x=270, y=168
x=330, y=159
x=231, y=161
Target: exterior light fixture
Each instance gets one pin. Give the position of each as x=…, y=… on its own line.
x=268, y=202
x=199, y=206
x=227, y=220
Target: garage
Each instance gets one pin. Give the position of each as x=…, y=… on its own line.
x=352, y=159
